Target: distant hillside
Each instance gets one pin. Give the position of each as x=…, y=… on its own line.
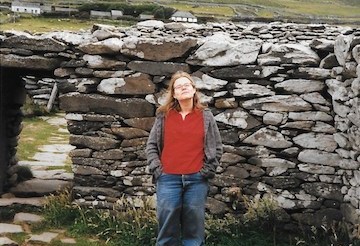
x=332, y=11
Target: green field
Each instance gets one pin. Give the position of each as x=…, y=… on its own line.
x=329, y=11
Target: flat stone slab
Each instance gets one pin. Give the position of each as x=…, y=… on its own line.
x=57, y=148
x=39, y=164
x=4, y=241
x=45, y=237
x=53, y=159
x=60, y=174
x=39, y=187
x=28, y=218
x=33, y=201
x=68, y=240
x=10, y=228
x=55, y=121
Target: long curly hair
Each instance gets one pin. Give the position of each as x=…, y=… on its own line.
x=171, y=102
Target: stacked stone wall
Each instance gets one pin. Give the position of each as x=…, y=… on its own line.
x=285, y=96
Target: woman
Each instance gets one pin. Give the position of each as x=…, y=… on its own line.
x=183, y=150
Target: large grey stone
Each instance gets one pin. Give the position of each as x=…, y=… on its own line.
x=269, y=138
x=238, y=118
x=300, y=86
x=35, y=43
x=289, y=53
x=128, y=108
x=29, y=62
x=10, y=228
x=316, y=141
x=158, y=68
x=136, y=84
x=38, y=187
x=319, y=157
x=160, y=49
x=221, y=50
x=278, y=103
x=107, y=46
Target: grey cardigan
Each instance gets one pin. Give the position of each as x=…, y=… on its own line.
x=212, y=146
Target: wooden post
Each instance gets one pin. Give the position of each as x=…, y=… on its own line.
x=52, y=97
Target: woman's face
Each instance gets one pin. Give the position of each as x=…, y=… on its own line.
x=183, y=89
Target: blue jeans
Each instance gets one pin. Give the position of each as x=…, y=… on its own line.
x=181, y=209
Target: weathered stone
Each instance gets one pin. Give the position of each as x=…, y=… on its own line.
x=319, y=157
x=315, y=97
x=302, y=125
x=27, y=218
x=312, y=73
x=238, y=118
x=128, y=132
x=63, y=72
x=71, y=38
x=209, y=83
x=221, y=50
x=45, y=237
x=329, y=61
x=269, y=138
x=313, y=115
x=322, y=44
x=99, y=62
x=136, y=84
x=273, y=118
x=107, y=46
x=141, y=123
x=356, y=53
x=271, y=162
x=158, y=68
x=37, y=187
x=278, y=103
x=34, y=43
x=316, y=169
x=87, y=170
x=161, y=49
x=29, y=62
x=111, y=154
x=282, y=182
x=134, y=142
x=226, y=103
x=251, y=90
x=237, y=172
x=245, y=72
x=328, y=191
x=342, y=48
x=128, y=108
x=300, y=86
x=10, y=228
x=289, y=53
x=316, y=141
x=323, y=127
x=231, y=158
x=216, y=207
x=98, y=143
x=7, y=242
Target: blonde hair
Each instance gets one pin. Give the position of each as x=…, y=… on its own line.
x=171, y=102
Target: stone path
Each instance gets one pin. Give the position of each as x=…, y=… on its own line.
x=31, y=192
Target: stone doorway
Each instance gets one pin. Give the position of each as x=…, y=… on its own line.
x=12, y=98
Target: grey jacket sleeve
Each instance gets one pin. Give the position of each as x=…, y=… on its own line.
x=153, y=149
x=213, y=146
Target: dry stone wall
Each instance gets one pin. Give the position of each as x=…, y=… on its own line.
x=285, y=96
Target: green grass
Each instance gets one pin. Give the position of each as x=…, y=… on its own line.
x=204, y=10
x=35, y=133
x=42, y=24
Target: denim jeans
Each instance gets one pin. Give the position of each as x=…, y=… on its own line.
x=181, y=209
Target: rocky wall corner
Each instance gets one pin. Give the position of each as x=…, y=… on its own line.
x=285, y=97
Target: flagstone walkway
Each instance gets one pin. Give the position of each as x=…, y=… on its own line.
x=49, y=167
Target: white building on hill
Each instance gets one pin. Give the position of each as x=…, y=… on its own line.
x=183, y=16
x=26, y=7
